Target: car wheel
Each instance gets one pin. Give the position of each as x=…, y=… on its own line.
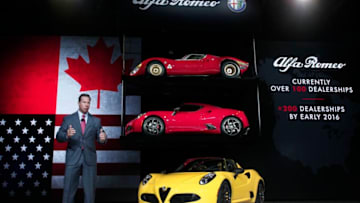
x=229, y=69
x=231, y=126
x=224, y=193
x=155, y=68
x=260, y=196
x=153, y=126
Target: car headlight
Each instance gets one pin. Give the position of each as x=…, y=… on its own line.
x=137, y=117
x=136, y=69
x=207, y=178
x=146, y=179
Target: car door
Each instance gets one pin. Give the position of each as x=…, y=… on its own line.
x=240, y=184
x=185, y=119
x=210, y=65
x=192, y=65
x=207, y=119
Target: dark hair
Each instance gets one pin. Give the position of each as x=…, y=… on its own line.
x=84, y=95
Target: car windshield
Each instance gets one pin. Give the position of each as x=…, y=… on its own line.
x=193, y=56
x=200, y=165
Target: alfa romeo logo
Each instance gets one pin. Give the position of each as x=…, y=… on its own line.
x=237, y=6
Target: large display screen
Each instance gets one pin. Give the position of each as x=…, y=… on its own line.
x=176, y=79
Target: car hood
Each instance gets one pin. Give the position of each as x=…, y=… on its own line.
x=158, y=112
x=174, y=179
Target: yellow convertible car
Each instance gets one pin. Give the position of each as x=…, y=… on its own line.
x=204, y=180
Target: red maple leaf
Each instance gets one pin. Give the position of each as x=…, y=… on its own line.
x=99, y=73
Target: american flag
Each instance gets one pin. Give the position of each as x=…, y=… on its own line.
x=41, y=78
x=26, y=144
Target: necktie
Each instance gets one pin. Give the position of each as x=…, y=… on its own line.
x=83, y=124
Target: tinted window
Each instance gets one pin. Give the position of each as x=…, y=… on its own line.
x=230, y=165
x=195, y=56
x=203, y=165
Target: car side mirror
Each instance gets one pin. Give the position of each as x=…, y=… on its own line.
x=175, y=111
x=238, y=171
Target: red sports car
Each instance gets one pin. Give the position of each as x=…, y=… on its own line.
x=192, y=64
x=190, y=118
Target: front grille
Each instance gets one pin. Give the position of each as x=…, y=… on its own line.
x=163, y=193
x=149, y=198
x=180, y=198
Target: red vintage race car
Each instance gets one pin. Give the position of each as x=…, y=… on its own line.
x=190, y=118
x=192, y=64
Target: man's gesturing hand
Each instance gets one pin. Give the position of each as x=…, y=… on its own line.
x=102, y=135
x=70, y=131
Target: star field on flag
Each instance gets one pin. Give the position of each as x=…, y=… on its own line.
x=26, y=150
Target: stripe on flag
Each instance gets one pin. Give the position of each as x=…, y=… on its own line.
x=104, y=156
x=105, y=169
x=112, y=131
x=57, y=182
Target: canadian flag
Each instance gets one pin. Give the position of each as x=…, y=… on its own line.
x=46, y=75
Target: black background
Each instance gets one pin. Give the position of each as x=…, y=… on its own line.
x=272, y=20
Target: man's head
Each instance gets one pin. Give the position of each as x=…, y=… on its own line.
x=84, y=103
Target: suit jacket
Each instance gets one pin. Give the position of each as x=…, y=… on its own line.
x=92, y=131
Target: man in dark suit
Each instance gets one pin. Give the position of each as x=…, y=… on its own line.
x=81, y=130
